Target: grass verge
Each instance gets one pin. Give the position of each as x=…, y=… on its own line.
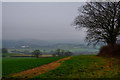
x=86, y=66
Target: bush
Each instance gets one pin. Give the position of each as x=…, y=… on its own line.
x=110, y=51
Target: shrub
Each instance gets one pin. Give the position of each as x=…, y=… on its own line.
x=110, y=51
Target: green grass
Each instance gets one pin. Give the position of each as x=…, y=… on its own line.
x=30, y=50
x=85, y=66
x=9, y=54
x=83, y=50
x=14, y=65
x=0, y=66
x=71, y=49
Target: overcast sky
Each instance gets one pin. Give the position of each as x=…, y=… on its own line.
x=38, y=20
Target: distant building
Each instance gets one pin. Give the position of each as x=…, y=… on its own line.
x=24, y=46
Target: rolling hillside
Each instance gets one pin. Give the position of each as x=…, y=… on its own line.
x=86, y=66
x=83, y=66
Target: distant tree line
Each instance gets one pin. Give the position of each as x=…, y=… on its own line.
x=60, y=52
x=37, y=53
x=56, y=53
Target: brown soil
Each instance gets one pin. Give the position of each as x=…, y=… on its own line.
x=39, y=70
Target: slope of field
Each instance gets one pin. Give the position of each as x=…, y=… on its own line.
x=14, y=65
x=86, y=66
x=30, y=73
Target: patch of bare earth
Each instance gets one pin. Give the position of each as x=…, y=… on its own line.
x=39, y=70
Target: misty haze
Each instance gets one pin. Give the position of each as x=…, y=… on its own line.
x=60, y=40
x=45, y=26
x=41, y=21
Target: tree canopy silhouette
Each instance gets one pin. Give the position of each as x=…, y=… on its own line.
x=102, y=21
x=36, y=53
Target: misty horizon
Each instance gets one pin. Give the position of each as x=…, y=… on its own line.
x=40, y=21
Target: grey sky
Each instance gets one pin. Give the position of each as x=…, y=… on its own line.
x=38, y=20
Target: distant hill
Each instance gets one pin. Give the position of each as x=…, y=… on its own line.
x=39, y=44
x=27, y=43
x=75, y=47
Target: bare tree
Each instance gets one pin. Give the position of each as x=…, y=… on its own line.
x=102, y=21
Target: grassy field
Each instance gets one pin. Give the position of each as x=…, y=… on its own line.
x=14, y=65
x=70, y=49
x=19, y=54
x=83, y=66
x=0, y=66
x=83, y=50
x=86, y=66
x=9, y=54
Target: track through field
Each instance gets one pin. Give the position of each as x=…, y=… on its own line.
x=39, y=70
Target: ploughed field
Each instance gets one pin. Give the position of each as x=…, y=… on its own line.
x=83, y=66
